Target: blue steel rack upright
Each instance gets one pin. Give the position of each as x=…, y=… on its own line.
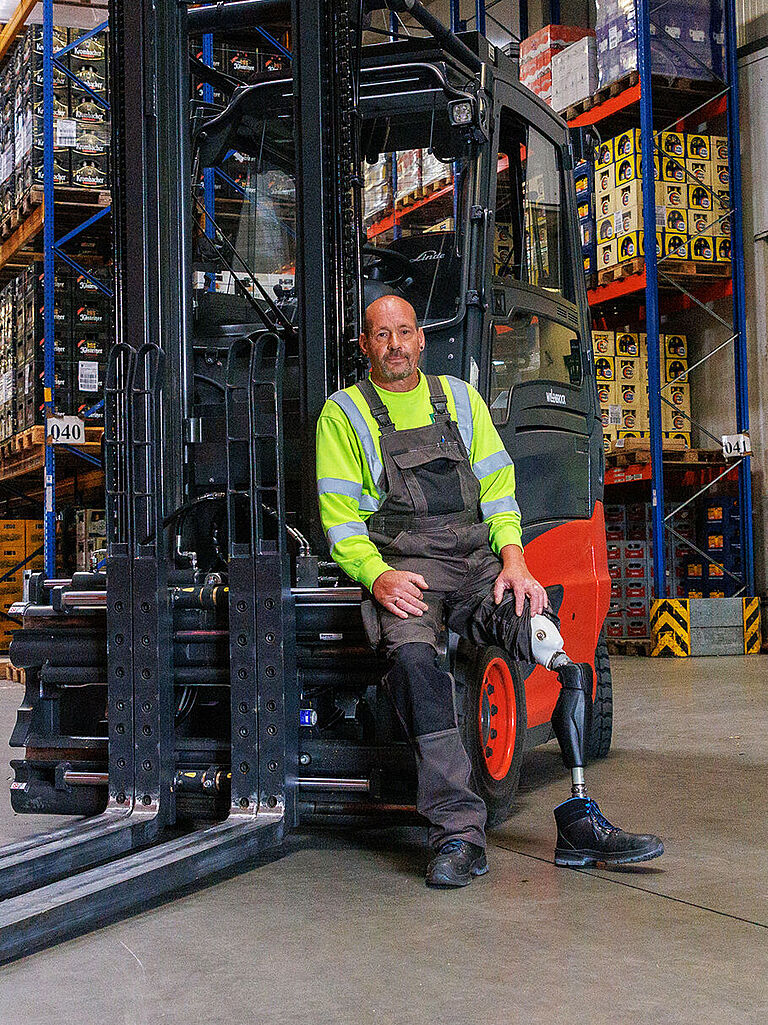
x=53, y=248
x=650, y=141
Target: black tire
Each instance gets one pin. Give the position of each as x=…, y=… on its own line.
x=495, y=776
x=599, y=743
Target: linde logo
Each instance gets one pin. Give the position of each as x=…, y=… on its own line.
x=429, y=254
x=556, y=398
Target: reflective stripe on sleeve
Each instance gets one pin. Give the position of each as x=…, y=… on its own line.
x=363, y=431
x=460, y=394
x=336, y=486
x=370, y=504
x=484, y=467
x=500, y=505
x=345, y=530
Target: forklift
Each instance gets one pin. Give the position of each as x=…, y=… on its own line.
x=213, y=689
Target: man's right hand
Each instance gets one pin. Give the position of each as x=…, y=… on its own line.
x=400, y=593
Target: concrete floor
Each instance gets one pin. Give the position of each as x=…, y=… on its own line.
x=341, y=929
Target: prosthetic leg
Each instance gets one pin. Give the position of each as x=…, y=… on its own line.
x=584, y=836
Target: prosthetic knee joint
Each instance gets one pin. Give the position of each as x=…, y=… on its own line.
x=573, y=711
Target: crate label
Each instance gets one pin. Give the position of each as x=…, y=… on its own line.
x=88, y=375
x=66, y=132
x=65, y=430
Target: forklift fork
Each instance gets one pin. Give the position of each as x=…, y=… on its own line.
x=261, y=610
x=126, y=823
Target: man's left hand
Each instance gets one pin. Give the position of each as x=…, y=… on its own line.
x=516, y=577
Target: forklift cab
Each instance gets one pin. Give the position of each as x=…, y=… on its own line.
x=465, y=207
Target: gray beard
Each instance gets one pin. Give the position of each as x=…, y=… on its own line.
x=397, y=375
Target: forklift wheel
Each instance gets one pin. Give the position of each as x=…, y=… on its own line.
x=495, y=724
x=602, y=708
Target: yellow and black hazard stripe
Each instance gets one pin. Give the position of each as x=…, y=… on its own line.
x=752, y=632
x=671, y=628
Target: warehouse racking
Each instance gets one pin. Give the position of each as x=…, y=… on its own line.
x=658, y=104
x=59, y=458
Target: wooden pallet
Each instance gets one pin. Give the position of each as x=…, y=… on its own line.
x=23, y=441
x=629, y=646
x=637, y=451
x=609, y=92
x=672, y=268
x=10, y=672
x=409, y=198
x=437, y=186
x=620, y=271
x=696, y=268
x=25, y=450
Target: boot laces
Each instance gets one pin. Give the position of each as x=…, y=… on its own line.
x=452, y=845
x=600, y=819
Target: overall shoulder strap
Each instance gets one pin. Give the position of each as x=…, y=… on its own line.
x=460, y=392
x=379, y=411
x=437, y=395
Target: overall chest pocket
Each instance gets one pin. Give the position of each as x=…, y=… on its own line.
x=433, y=479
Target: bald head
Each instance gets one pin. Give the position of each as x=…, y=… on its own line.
x=393, y=342
x=386, y=307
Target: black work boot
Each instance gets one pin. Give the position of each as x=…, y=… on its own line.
x=584, y=837
x=455, y=863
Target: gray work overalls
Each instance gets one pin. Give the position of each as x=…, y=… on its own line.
x=430, y=523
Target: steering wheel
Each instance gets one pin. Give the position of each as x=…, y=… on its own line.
x=387, y=267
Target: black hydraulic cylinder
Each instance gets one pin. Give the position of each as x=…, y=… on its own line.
x=237, y=14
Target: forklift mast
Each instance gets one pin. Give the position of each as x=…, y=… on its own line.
x=214, y=688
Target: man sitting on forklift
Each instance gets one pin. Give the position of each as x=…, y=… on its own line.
x=417, y=499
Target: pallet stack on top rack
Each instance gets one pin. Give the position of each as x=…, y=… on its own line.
x=659, y=436
x=68, y=132
x=412, y=189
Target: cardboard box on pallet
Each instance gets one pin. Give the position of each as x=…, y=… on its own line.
x=574, y=73
x=90, y=170
x=408, y=173
x=675, y=346
x=701, y=170
x=537, y=51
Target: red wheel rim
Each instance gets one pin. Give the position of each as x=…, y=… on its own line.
x=497, y=718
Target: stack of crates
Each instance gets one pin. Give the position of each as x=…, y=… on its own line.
x=83, y=332
x=621, y=367
x=630, y=567
x=81, y=125
x=692, y=196
x=719, y=535
x=629, y=532
x=585, y=203
x=19, y=539
x=7, y=361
